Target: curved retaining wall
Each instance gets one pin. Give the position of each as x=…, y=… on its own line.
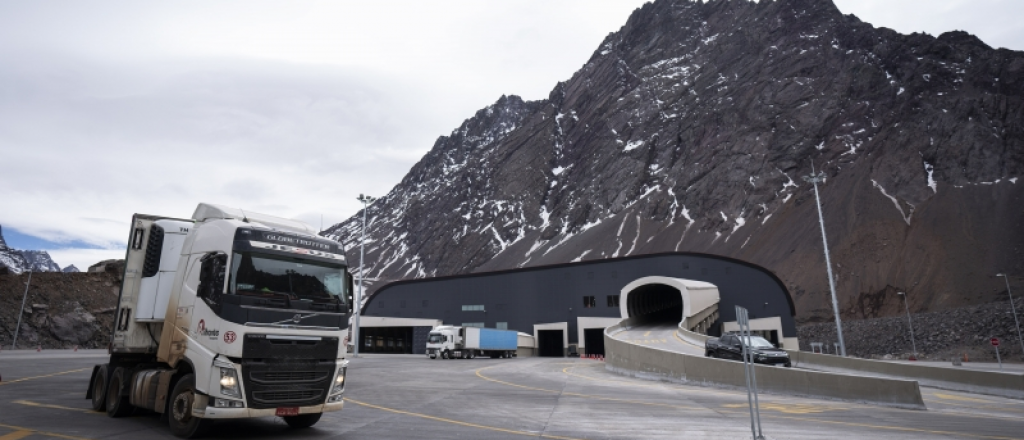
x=972, y=381
x=947, y=378
x=651, y=363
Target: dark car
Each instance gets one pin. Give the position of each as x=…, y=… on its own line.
x=728, y=347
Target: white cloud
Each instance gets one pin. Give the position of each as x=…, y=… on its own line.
x=996, y=22
x=83, y=258
x=293, y=109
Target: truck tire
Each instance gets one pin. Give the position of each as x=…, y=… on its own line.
x=444, y=354
x=180, y=418
x=117, y=404
x=99, y=389
x=302, y=420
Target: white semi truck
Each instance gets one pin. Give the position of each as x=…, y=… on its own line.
x=229, y=314
x=453, y=342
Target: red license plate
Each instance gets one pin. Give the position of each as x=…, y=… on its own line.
x=287, y=411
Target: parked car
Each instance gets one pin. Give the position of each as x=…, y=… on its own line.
x=728, y=347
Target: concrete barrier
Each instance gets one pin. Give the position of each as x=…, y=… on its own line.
x=957, y=379
x=691, y=337
x=947, y=378
x=651, y=363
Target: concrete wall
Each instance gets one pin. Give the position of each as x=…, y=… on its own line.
x=982, y=382
x=646, y=362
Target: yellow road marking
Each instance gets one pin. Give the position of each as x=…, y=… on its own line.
x=33, y=431
x=961, y=398
x=676, y=334
x=788, y=408
x=777, y=416
x=589, y=396
x=647, y=385
x=16, y=435
x=456, y=422
x=892, y=428
x=46, y=405
x=647, y=334
x=45, y=375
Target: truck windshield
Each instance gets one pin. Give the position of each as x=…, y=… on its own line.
x=435, y=338
x=757, y=342
x=258, y=274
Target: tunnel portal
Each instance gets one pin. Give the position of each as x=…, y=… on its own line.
x=655, y=304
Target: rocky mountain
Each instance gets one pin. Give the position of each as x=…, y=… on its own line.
x=690, y=129
x=70, y=269
x=18, y=261
x=62, y=310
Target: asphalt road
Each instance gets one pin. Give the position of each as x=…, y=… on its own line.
x=411, y=397
x=661, y=336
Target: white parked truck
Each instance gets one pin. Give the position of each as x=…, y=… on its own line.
x=229, y=314
x=452, y=342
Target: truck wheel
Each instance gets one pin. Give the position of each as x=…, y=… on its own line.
x=444, y=354
x=117, y=404
x=99, y=389
x=180, y=418
x=302, y=420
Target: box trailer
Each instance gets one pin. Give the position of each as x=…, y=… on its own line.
x=453, y=342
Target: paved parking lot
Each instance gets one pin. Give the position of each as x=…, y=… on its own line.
x=411, y=397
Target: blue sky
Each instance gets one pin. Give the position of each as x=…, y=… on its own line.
x=292, y=109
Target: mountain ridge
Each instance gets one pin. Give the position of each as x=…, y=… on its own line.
x=690, y=128
x=18, y=261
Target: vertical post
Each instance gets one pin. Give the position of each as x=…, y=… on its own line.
x=358, y=300
x=907, y=307
x=814, y=179
x=1006, y=277
x=21, y=311
x=749, y=372
x=746, y=370
x=999, y=359
x=753, y=377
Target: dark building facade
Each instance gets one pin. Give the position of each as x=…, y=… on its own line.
x=519, y=299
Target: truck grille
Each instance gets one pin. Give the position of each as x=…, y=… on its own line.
x=285, y=397
x=274, y=383
x=271, y=377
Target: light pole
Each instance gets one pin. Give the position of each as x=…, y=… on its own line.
x=359, y=296
x=814, y=179
x=21, y=311
x=912, y=343
x=1012, y=307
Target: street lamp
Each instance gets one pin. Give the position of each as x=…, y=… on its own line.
x=359, y=296
x=21, y=311
x=912, y=343
x=1006, y=278
x=814, y=179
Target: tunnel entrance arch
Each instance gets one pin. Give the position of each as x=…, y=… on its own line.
x=655, y=303
x=669, y=301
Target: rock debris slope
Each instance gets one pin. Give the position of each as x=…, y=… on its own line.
x=690, y=128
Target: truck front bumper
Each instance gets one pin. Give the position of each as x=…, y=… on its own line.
x=244, y=413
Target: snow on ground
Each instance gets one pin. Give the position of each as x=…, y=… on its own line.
x=906, y=217
x=931, y=180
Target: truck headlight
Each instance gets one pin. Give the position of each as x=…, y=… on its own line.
x=339, y=381
x=229, y=383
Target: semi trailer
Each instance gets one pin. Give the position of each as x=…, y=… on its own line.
x=453, y=342
x=229, y=314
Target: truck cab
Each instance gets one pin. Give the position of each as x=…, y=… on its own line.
x=229, y=314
